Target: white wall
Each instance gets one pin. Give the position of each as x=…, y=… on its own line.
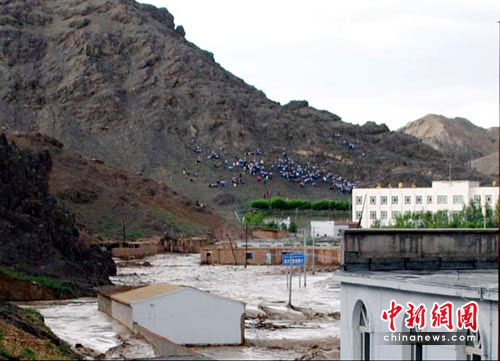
x=378, y=299
x=339, y=229
x=322, y=229
x=192, y=317
x=439, y=188
x=122, y=313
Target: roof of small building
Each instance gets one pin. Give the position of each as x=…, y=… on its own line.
x=145, y=293
x=159, y=289
x=110, y=290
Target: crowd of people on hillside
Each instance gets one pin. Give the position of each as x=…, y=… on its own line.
x=253, y=164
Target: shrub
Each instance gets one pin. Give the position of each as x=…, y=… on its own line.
x=61, y=289
x=281, y=204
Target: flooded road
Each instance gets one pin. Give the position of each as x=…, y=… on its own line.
x=273, y=331
x=254, y=285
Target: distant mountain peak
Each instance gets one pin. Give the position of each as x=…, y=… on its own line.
x=456, y=137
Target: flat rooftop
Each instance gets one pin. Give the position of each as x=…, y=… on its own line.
x=478, y=284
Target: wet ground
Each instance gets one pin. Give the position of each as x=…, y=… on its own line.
x=273, y=330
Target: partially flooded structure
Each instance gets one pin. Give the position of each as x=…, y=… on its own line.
x=231, y=255
x=179, y=314
x=185, y=245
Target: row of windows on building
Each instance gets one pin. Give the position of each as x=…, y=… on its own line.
x=442, y=199
x=394, y=214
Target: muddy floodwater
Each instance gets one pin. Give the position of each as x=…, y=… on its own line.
x=273, y=330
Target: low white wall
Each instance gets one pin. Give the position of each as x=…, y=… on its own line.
x=192, y=317
x=122, y=313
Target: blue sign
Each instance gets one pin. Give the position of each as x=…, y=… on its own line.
x=298, y=259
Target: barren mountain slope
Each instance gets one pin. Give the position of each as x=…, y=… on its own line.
x=457, y=137
x=487, y=164
x=115, y=80
x=102, y=197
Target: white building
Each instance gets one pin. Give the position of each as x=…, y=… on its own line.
x=183, y=315
x=330, y=229
x=322, y=228
x=365, y=295
x=385, y=204
x=282, y=222
x=420, y=266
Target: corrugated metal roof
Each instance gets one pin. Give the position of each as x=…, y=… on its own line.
x=145, y=293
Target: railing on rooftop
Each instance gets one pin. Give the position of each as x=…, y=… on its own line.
x=419, y=249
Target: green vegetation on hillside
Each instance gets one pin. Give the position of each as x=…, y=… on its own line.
x=61, y=289
x=113, y=229
x=289, y=204
x=471, y=216
x=257, y=219
x=24, y=336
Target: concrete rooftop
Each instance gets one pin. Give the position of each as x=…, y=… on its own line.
x=478, y=284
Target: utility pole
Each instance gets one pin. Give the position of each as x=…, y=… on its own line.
x=314, y=251
x=123, y=233
x=498, y=215
x=305, y=258
x=246, y=243
x=290, y=287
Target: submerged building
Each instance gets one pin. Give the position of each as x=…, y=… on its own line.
x=179, y=314
x=386, y=204
x=434, y=270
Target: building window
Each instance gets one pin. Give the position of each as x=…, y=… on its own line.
x=477, y=199
x=249, y=255
x=364, y=332
x=359, y=200
x=358, y=215
x=394, y=199
x=383, y=200
x=458, y=199
x=395, y=214
x=442, y=199
x=429, y=199
x=373, y=215
x=407, y=199
x=473, y=349
x=373, y=200
x=383, y=215
x=418, y=199
x=489, y=199
x=407, y=213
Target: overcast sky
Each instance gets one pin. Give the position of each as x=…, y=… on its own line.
x=387, y=61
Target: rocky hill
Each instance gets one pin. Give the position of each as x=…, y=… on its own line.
x=456, y=137
x=101, y=197
x=487, y=164
x=118, y=81
x=39, y=244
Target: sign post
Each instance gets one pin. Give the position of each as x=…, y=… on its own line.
x=290, y=260
x=305, y=258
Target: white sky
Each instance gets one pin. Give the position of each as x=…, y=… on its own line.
x=386, y=60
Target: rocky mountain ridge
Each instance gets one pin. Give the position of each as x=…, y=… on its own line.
x=102, y=197
x=118, y=81
x=457, y=137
